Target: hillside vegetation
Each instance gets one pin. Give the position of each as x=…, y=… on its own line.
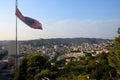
x=104, y=66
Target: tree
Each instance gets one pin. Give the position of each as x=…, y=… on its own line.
x=119, y=30
x=114, y=57
x=101, y=68
x=44, y=73
x=22, y=70
x=33, y=67
x=35, y=64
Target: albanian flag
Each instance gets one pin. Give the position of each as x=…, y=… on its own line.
x=29, y=21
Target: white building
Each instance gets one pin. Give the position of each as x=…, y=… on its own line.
x=12, y=48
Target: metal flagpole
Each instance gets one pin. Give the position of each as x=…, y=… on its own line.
x=16, y=61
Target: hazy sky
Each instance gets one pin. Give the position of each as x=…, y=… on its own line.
x=61, y=18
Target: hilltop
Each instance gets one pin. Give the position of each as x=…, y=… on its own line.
x=65, y=41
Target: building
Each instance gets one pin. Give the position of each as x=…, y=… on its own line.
x=12, y=48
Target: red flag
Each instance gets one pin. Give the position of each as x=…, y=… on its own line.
x=29, y=21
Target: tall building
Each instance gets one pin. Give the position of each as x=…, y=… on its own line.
x=12, y=57
x=12, y=48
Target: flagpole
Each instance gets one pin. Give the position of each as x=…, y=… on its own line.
x=16, y=61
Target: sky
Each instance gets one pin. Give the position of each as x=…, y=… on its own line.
x=61, y=19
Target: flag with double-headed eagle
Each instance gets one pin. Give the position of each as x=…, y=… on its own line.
x=29, y=21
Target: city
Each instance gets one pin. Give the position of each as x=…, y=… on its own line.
x=54, y=52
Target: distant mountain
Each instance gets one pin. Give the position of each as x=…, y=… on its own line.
x=65, y=41
x=5, y=42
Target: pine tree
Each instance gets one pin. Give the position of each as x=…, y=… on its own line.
x=114, y=56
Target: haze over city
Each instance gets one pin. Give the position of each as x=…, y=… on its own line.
x=61, y=19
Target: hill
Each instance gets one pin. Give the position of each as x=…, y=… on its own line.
x=65, y=41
